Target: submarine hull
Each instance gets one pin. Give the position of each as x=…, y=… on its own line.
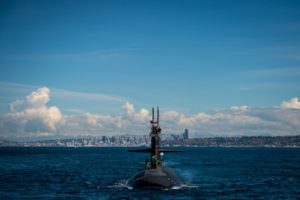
x=163, y=178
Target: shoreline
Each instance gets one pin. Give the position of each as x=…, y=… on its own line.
x=115, y=146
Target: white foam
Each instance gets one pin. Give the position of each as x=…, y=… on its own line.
x=177, y=187
x=121, y=184
x=184, y=186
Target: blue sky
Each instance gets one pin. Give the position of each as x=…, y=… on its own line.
x=186, y=56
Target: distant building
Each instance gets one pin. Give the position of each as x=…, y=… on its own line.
x=186, y=134
x=175, y=137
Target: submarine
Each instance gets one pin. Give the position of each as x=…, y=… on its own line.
x=155, y=174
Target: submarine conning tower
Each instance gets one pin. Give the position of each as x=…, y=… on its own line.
x=155, y=151
x=156, y=160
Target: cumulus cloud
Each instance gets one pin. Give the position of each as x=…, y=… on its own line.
x=231, y=116
x=239, y=108
x=102, y=121
x=128, y=108
x=239, y=120
x=293, y=103
x=131, y=121
x=36, y=99
x=141, y=116
x=87, y=124
x=32, y=114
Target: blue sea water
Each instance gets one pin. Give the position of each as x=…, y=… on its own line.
x=101, y=173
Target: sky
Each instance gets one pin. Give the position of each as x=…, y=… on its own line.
x=80, y=68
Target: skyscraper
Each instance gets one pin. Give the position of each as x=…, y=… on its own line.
x=186, y=134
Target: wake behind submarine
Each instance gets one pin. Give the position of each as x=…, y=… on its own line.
x=154, y=174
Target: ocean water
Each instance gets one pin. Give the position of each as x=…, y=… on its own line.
x=101, y=173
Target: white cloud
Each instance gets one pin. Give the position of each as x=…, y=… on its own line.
x=225, y=117
x=96, y=124
x=293, y=103
x=103, y=121
x=128, y=108
x=240, y=108
x=31, y=116
x=237, y=120
x=138, y=117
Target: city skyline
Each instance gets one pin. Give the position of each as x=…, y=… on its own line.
x=76, y=68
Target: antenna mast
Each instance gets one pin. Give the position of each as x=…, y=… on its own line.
x=152, y=115
x=157, y=115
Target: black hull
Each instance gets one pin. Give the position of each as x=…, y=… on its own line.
x=163, y=178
